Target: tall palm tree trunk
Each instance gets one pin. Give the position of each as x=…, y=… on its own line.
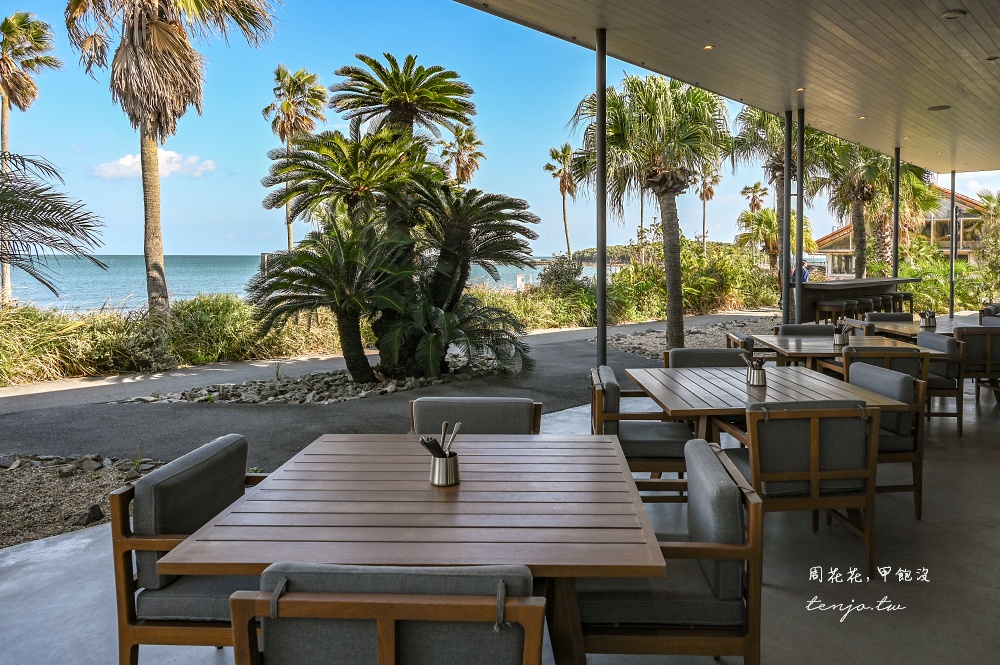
x=288, y=209
x=6, y=287
x=156, y=278
x=349, y=332
x=860, y=239
x=670, y=223
x=883, y=238
x=569, y=252
x=778, y=181
x=704, y=233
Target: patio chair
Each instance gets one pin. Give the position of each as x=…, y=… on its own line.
x=872, y=317
x=991, y=321
x=178, y=498
x=709, y=601
x=901, y=433
x=906, y=360
x=946, y=377
x=478, y=415
x=858, y=327
x=678, y=358
x=815, y=456
x=312, y=614
x=982, y=356
x=649, y=443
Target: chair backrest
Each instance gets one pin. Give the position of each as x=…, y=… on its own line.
x=478, y=415
x=605, y=397
x=910, y=361
x=982, y=350
x=705, y=358
x=898, y=386
x=738, y=340
x=715, y=515
x=180, y=497
x=888, y=316
x=948, y=367
x=805, y=329
x=858, y=327
x=812, y=449
x=991, y=321
x=354, y=615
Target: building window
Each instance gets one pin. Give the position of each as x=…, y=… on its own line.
x=841, y=264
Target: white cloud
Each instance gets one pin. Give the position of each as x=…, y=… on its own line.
x=171, y=162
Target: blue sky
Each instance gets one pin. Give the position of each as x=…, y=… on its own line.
x=527, y=85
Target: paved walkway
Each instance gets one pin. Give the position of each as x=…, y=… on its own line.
x=80, y=416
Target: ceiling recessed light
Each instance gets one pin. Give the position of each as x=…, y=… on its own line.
x=862, y=117
x=707, y=47
x=953, y=14
x=939, y=107
x=800, y=90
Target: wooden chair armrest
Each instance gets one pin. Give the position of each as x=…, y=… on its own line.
x=645, y=415
x=732, y=430
x=699, y=550
x=634, y=393
x=255, y=478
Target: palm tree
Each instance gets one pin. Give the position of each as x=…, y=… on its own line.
x=916, y=199
x=561, y=169
x=156, y=74
x=36, y=220
x=351, y=269
x=988, y=252
x=469, y=227
x=761, y=231
x=462, y=155
x=660, y=134
x=708, y=180
x=298, y=103
x=755, y=194
x=25, y=42
x=405, y=97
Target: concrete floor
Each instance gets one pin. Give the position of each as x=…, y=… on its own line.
x=57, y=602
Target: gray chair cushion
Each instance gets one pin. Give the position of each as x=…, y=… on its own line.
x=478, y=415
x=991, y=321
x=312, y=641
x=805, y=329
x=938, y=382
x=682, y=598
x=707, y=357
x=612, y=396
x=947, y=369
x=193, y=598
x=715, y=514
x=652, y=438
x=890, y=442
x=975, y=348
x=891, y=384
x=888, y=316
x=783, y=445
x=180, y=497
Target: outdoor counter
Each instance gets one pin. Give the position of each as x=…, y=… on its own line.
x=838, y=289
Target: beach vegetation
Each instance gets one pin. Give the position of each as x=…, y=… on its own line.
x=561, y=168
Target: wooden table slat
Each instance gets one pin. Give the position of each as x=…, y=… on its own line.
x=454, y=508
x=555, y=521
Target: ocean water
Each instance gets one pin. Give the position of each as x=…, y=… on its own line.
x=83, y=286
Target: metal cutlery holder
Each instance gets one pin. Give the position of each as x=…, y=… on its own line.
x=928, y=321
x=756, y=377
x=444, y=471
x=840, y=339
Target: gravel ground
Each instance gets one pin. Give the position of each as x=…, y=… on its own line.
x=652, y=343
x=36, y=503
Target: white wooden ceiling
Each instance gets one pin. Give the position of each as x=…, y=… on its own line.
x=887, y=60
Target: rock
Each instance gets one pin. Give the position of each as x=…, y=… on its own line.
x=146, y=400
x=124, y=464
x=89, y=465
x=7, y=460
x=89, y=516
x=132, y=474
x=147, y=466
x=16, y=464
x=67, y=471
x=108, y=463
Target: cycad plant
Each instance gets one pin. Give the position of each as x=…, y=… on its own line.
x=660, y=134
x=351, y=269
x=156, y=75
x=299, y=100
x=25, y=47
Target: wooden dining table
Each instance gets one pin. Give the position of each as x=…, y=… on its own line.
x=566, y=506
x=700, y=393
x=810, y=348
x=909, y=329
